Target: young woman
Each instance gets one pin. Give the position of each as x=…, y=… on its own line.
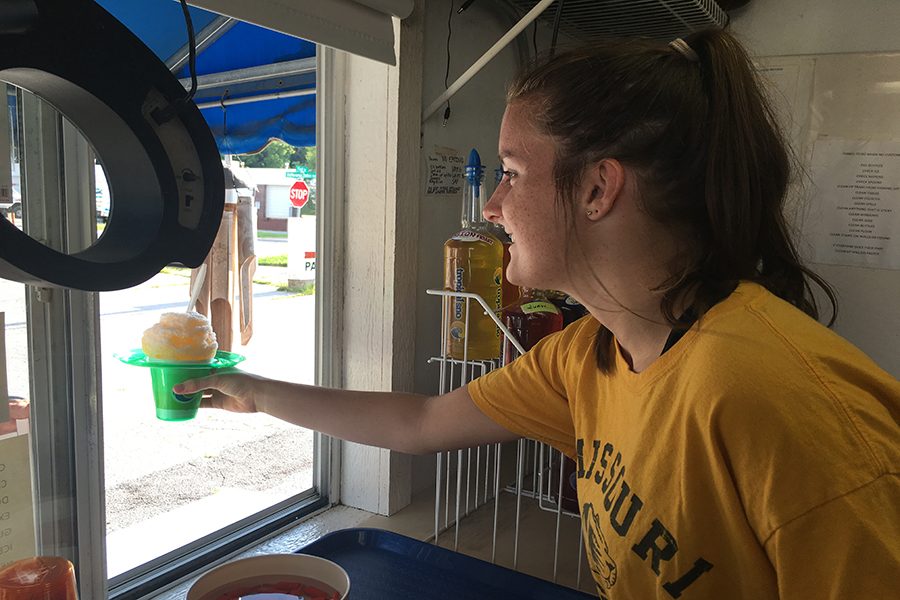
x=727, y=444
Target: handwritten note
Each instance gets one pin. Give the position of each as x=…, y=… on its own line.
x=445, y=172
x=855, y=212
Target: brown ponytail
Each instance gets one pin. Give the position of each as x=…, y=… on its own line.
x=747, y=175
x=706, y=145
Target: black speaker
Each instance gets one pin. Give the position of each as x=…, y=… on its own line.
x=161, y=161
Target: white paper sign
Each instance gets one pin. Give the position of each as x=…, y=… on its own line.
x=16, y=504
x=788, y=83
x=17, y=531
x=445, y=169
x=854, y=217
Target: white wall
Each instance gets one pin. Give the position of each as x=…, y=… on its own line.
x=476, y=111
x=835, y=34
x=373, y=116
x=778, y=27
x=474, y=122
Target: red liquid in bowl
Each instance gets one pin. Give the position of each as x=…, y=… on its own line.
x=295, y=589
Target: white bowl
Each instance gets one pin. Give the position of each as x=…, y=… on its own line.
x=270, y=568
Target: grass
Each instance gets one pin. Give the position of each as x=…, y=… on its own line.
x=279, y=260
x=305, y=288
x=271, y=235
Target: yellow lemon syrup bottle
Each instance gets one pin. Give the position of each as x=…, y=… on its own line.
x=473, y=262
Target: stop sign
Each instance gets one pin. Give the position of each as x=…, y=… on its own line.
x=299, y=193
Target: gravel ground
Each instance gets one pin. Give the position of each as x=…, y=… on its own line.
x=275, y=462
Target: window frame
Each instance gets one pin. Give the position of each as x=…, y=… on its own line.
x=67, y=435
x=65, y=457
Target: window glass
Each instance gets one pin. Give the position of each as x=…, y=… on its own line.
x=173, y=491
x=37, y=511
x=170, y=484
x=17, y=523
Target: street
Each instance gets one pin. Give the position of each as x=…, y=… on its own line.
x=271, y=246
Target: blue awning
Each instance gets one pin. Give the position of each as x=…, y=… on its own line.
x=254, y=84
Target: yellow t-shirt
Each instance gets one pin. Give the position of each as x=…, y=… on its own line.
x=758, y=458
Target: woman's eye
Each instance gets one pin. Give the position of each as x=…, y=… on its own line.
x=509, y=174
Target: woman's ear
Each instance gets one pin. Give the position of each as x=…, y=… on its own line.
x=603, y=183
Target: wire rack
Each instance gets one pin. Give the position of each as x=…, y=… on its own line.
x=473, y=478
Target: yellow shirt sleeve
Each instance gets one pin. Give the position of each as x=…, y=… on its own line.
x=529, y=395
x=848, y=547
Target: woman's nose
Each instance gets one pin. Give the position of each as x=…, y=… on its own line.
x=492, y=211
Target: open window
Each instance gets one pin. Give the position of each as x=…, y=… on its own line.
x=134, y=501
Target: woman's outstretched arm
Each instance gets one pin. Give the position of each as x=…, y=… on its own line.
x=411, y=423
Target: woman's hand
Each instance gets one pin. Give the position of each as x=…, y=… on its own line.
x=235, y=392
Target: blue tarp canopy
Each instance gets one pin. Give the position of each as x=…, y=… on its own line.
x=254, y=84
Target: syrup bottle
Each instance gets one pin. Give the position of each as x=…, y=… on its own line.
x=532, y=317
x=571, y=309
x=38, y=578
x=473, y=262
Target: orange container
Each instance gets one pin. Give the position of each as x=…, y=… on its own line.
x=38, y=578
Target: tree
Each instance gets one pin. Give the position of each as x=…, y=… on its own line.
x=275, y=155
x=278, y=154
x=309, y=155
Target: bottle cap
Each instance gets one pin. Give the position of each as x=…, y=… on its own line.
x=474, y=168
x=37, y=578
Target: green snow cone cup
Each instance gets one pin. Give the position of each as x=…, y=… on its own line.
x=166, y=375
x=169, y=405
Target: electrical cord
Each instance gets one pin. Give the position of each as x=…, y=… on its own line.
x=447, y=69
x=192, y=49
x=161, y=115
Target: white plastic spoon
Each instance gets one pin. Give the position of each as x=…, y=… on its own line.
x=198, y=285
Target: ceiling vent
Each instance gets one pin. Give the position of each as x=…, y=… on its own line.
x=587, y=20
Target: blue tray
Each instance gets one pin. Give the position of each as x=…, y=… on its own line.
x=386, y=566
